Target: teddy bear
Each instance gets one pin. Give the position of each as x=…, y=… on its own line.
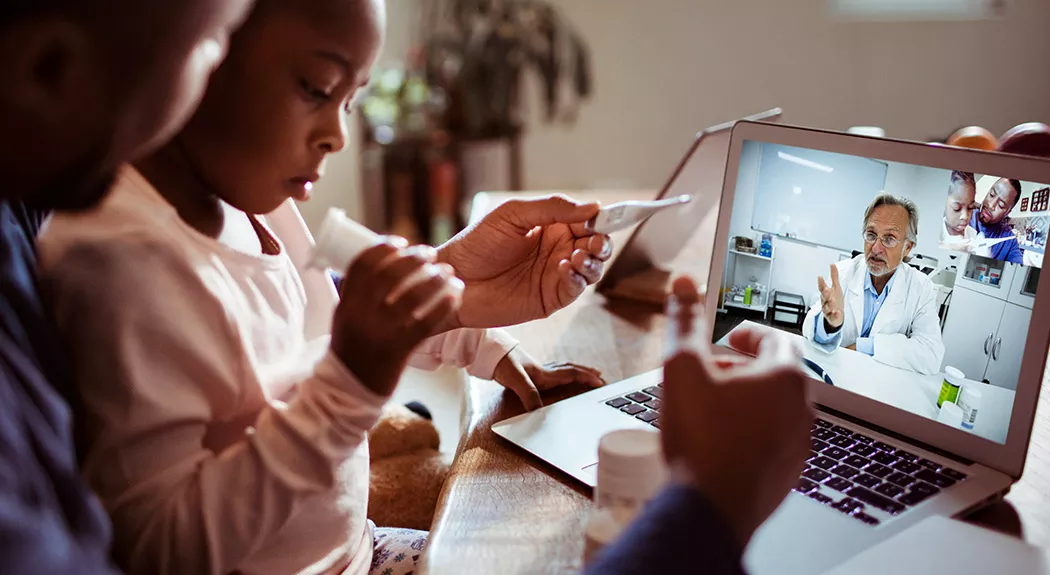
x=407, y=468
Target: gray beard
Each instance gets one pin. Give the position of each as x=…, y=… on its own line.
x=885, y=271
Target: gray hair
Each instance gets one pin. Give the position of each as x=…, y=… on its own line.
x=886, y=199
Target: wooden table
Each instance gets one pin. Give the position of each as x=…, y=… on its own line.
x=504, y=512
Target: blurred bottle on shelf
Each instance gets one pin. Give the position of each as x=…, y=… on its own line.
x=444, y=191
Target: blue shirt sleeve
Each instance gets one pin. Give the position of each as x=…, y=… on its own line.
x=48, y=521
x=821, y=336
x=866, y=345
x=31, y=219
x=679, y=532
x=1015, y=254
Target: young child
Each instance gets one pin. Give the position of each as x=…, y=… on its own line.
x=956, y=233
x=227, y=390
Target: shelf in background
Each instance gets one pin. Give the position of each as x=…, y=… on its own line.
x=753, y=307
x=756, y=256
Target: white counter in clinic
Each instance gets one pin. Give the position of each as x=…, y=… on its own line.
x=859, y=373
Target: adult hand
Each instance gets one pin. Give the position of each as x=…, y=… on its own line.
x=745, y=478
x=525, y=260
x=526, y=377
x=831, y=299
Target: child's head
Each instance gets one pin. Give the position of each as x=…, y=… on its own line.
x=279, y=103
x=961, y=203
x=90, y=84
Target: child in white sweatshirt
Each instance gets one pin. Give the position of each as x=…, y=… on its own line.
x=225, y=390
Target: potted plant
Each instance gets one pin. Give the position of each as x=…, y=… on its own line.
x=477, y=53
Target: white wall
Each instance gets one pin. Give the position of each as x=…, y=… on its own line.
x=928, y=188
x=665, y=68
x=797, y=265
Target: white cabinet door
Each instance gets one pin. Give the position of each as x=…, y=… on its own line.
x=1004, y=369
x=973, y=319
x=1015, y=295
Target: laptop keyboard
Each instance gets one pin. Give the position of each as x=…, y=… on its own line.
x=643, y=404
x=847, y=471
x=855, y=474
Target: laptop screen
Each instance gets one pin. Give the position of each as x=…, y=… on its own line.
x=907, y=284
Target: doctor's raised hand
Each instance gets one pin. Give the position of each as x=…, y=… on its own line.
x=831, y=300
x=525, y=260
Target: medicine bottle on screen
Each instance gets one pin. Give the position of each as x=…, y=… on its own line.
x=970, y=403
x=631, y=470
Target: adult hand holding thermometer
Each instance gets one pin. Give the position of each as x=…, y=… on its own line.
x=985, y=243
x=616, y=217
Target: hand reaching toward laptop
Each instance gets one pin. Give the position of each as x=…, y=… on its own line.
x=746, y=478
x=527, y=378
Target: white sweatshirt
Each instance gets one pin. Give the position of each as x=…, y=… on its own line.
x=216, y=427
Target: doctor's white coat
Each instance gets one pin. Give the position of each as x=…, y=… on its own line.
x=907, y=330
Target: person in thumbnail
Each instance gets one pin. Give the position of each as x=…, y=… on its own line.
x=993, y=221
x=956, y=232
x=875, y=305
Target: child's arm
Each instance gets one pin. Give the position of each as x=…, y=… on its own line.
x=157, y=360
x=494, y=354
x=478, y=350
x=486, y=353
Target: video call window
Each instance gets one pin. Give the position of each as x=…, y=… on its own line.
x=907, y=284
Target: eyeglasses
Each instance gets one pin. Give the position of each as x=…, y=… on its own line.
x=888, y=242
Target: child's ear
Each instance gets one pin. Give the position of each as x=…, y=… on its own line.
x=52, y=68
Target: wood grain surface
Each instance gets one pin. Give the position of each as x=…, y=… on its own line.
x=505, y=512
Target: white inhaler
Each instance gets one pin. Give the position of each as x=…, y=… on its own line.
x=341, y=240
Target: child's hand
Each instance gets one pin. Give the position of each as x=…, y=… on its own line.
x=520, y=373
x=379, y=322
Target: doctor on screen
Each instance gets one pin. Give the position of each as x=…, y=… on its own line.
x=875, y=305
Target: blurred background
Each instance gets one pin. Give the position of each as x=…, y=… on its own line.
x=475, y=95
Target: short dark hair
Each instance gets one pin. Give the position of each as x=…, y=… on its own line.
x=13, y=11
x=1016, y=184
x=94, y=11
x=962, y=179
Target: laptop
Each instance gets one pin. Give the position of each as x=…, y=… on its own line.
x=884, y=457
x=659, y=240
x=972, y=550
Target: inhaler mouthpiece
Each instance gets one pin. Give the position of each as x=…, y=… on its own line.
x=340, y=241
